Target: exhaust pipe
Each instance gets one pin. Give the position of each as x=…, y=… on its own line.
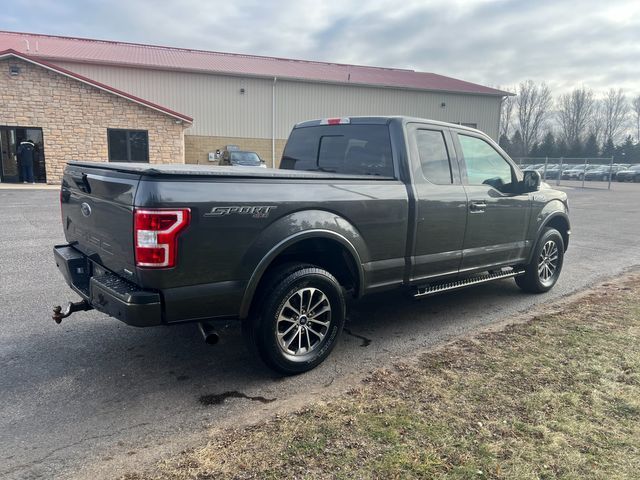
x=209, y=334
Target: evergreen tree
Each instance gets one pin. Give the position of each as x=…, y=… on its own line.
x=608, y=149
x=575, y=149
x=517, y=145
x=562, y=149
x=535, y=151
x=591, y=149
x=626, y=152
x=548, y=146
x=505, y=144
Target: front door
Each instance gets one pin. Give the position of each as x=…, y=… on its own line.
x=9, y=171
x=441, y=203
x=498, y=215
x=10, y=138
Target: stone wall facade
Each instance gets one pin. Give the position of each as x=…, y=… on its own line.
x=75, y=116
x=197, y=147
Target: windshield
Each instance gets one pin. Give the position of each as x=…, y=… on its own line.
x=245, y=158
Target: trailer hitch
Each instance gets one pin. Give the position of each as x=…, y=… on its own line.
x=71, y=307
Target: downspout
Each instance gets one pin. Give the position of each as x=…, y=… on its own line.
x=273, y=123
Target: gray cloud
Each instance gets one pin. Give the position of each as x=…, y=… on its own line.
x=499, y=42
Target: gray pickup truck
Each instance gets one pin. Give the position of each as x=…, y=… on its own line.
x=359, y=205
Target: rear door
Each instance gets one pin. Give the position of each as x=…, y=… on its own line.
x=441, y=203
x=97, y=215
x=498, y=215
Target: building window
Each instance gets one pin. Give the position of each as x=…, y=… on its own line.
x=128, y=145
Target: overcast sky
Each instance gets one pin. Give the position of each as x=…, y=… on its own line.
x=493, y=42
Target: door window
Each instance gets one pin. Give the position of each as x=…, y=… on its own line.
x=485, y=166
x=434, y=157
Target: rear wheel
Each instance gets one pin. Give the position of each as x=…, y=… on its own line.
x=542, y=273
x=298, y=319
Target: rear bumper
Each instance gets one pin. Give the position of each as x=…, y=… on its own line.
x=107, y=292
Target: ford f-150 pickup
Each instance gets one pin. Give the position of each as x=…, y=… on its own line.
x=359, y=205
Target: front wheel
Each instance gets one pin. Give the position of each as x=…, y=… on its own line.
x=542, y=273
x=299, y=319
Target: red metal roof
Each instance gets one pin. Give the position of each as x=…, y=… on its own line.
x=81, y=78
x=70, y=49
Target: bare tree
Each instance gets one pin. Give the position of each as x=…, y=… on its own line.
x=575, y=110
x=534, y=102
x=506, y=114
x=635, y=105
x=615, y=111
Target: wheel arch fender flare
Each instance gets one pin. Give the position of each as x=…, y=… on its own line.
x=343, y=233
x=552, y=218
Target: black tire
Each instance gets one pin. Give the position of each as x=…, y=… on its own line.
x=538, y=278
x=281, y=290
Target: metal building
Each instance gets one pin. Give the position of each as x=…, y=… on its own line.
x=254, y=101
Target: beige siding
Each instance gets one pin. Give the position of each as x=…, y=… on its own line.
x=297, y=101
x=219, y=109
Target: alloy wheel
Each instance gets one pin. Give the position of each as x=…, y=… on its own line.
x=548, y=262
x=303, y=321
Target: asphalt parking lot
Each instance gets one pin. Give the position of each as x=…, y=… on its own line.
x=93, y=397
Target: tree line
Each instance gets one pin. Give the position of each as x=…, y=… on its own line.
x=579, y=123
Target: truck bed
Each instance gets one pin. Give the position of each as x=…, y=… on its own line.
x=220, y=171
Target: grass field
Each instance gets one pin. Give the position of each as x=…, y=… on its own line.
x=555, y=397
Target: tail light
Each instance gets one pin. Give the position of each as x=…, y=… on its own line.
x=156, y=236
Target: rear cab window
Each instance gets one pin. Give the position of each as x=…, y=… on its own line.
x=346, y=148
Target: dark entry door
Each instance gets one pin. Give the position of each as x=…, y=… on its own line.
x=10, y=138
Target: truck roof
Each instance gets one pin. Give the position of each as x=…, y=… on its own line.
x=382, y=120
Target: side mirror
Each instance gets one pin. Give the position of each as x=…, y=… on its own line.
x=531, y=181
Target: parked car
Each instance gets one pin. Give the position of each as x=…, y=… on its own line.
x=241, y=158
x=549, y=172
x=631, y=174
x=577, y=172
x=603, y=172
x=346, y=215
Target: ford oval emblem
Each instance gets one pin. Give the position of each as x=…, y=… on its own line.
x=85, y=209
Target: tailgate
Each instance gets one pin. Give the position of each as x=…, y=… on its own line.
x=97, y=215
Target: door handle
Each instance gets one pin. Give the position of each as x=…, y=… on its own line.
x=477, y=207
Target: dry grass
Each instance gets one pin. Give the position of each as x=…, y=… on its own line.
x=556, y=397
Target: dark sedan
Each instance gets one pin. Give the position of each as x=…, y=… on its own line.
x=603, y=172
x=631, y=174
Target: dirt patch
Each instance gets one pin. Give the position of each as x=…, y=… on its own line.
x=557, y=396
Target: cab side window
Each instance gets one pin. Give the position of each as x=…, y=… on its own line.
x=434, y=157
x=485, y=166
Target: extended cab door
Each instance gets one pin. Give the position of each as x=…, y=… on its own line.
x=498, y=215
x=441, y=202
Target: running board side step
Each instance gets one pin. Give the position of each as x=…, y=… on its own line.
x=434, y=288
